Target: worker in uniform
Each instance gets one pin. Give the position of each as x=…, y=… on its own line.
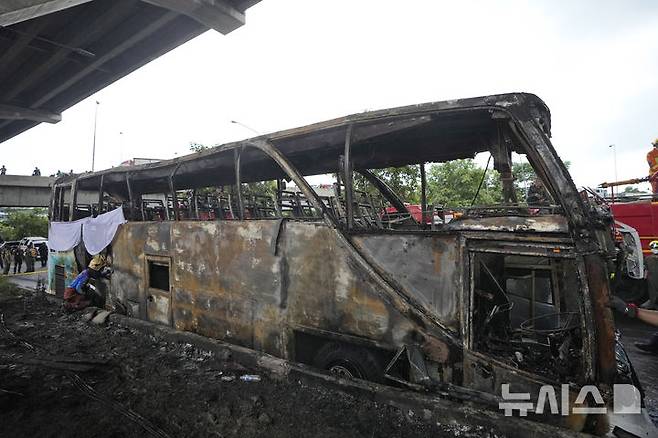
x=29, y=259
x=648, y=316
x=652, y=159
x=651, y=275
x=18, y=259
x=6, y=260
x=78, y=295
x=537, y=194
x=43, y=254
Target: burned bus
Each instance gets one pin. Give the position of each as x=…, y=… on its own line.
x=234, y=243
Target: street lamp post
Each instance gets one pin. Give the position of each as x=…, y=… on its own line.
x=235, y=122
x=614, y=158
x=93, y=150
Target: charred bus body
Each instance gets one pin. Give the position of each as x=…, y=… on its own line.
x=511, y=293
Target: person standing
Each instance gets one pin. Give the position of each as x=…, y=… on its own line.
x=652, y=160
x=43, y=254
x=651, y=275
x=29, y=259
x=3, y=170
x=18, y=259
x=6, y=259
x=37, y=172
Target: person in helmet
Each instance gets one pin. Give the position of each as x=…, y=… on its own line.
x=652, y=159
x=78, y=295
x=651, y=274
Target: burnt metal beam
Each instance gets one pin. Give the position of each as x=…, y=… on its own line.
x=11, y=112
x=423, y=196
x=100, y=195
x=347, y=172
x=215, y=14
x=238, y=184
x=172, y=190
x=74, y=199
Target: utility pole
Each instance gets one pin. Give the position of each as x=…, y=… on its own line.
x=614, y=158
x=93, y=150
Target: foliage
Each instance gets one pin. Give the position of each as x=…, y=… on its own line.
x=633, y=191
x=23, y=223
x=198, y=147
x=455, y=184
x=405, y=181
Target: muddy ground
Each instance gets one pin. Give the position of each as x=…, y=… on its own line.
x=61, y=376
x=121, y=378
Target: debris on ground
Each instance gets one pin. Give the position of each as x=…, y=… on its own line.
x=60, y=375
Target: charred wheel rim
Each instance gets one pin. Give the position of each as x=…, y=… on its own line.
x=345, y=369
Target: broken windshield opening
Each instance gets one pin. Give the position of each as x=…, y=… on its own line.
x=526, y=312
x=434, y=194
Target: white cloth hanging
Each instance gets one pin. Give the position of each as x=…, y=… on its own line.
x=64, y=236
x=99, y=232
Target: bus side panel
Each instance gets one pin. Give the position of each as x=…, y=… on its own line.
x=426, y=268
x=328, y=291
x=226, y=282
x=127, y=282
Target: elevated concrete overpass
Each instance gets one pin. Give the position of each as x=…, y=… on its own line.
x=32, y=191
x=54, y=53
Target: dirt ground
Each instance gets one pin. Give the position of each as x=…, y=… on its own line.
x=121, y=378
x=61, y=376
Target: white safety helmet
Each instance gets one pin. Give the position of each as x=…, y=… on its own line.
x=653, y=246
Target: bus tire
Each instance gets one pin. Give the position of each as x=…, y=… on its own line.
x=348, y=361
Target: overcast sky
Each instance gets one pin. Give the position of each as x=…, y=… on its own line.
x=595, y=63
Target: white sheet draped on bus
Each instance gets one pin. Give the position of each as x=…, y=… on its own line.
x=96, y=233
x=64, y=236
x=99, y=232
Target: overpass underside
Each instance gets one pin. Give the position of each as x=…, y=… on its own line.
x=32, y=191
x=54, y=53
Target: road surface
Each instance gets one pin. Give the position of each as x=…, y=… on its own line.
x=29, y=280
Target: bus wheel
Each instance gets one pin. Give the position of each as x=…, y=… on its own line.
x=348, y=361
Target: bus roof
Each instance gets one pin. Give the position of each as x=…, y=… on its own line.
x=429, y=132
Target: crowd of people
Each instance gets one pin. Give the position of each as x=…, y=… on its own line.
x=37, y=172
x=13, y=259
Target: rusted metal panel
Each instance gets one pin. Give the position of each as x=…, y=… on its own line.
x=211, y=293
x=327, y=290
x=425, y=268
x=127, y=283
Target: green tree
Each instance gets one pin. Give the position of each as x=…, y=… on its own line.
x=633, y=191
x=198, y=147
x=405, y=181
x=23, y=223
x=455, y=184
